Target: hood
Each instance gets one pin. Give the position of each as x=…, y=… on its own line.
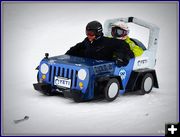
x=79, y=61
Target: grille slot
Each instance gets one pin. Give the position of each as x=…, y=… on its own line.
x=75, y=83
x=50, y=70
x=62, y=75
x=59, y=69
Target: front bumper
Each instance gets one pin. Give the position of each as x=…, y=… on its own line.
x=47, y=89
x=43, y=88
x=77, y=95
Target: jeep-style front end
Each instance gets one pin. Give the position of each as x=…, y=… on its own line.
x=73, y=76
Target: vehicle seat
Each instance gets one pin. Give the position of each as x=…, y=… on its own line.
x=138, y=43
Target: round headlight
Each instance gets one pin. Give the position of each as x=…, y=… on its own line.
x=44, y=68
x=82, y=74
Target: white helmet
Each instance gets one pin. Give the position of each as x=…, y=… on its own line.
x=123, y=25
x=119, y=30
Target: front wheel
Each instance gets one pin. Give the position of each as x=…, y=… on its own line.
x=111, y=89
x=38, y=77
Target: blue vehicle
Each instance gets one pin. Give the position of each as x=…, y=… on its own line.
x=85, y=79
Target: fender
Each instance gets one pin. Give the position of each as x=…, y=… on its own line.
x=136, y=77
x=106, y=78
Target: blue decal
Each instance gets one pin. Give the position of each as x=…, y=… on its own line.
x=124, y=73
x=103, y=68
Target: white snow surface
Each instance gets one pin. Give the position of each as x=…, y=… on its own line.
x=32, y=29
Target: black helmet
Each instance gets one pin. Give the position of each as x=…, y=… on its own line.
x=96, y=27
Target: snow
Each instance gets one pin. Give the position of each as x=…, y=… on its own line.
x=30, y=30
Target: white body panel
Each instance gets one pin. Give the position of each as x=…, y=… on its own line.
x=146, y=60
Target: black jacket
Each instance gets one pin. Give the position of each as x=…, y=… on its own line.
x=103, y=48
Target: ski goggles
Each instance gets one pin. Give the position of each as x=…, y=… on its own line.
x=90, y=33
x=118, y=32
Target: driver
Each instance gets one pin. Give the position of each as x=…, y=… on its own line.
x=96, y=46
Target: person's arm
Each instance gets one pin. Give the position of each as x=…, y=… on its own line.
x=77, y=50
x=122, y=53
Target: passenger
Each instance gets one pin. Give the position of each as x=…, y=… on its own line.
x=121, y=31
x=96, y=46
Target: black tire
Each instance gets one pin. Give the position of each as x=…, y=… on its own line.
x=146, y=84
x=38, y=77
x=111, y=89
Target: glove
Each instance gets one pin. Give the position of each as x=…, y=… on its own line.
x=121, y=62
